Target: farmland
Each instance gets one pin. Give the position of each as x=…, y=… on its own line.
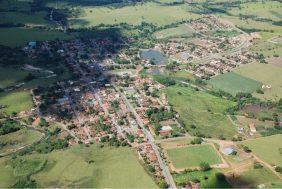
x=267, y=74
x=234, y=83
x=267, y=148
x=200, y=112
x=192, y=156
x=74, y=170
x=16, y=101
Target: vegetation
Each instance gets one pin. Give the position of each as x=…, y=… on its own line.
x=267, y=148
x=193, y=156
x=116, y=164
x=234, y=83
x=202, y=114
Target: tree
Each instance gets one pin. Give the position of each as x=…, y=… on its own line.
x=204, y=166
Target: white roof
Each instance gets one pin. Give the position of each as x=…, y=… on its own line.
x=166, y=128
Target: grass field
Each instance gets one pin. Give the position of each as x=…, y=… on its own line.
x=202, y=110
x=149, y=12
x=182, y=30
x=37, y=18
x=17, y=139
x=255, y=177
x=267, y=148
x=234, y=83
x=211, y=180
x=110, y=168
x=270, y=10
x=16, y=101
x=11, y=76
x=268, y=75
x=11, y=37
x=175, y=143
x=192, y=156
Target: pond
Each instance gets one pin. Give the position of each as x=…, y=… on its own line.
x=156, y=56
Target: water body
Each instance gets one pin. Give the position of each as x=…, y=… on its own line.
x=154, y=55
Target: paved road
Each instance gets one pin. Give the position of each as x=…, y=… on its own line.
x=151, y=140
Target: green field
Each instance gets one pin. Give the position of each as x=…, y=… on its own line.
x=11, y=37
x=18, y=139
x=182, y=30
x=255, y=177
x=10, y=76
x=268, y=75
x=234, y=83
x=16, y=101
x=267, y=148
x=207, y=179
x=110, y=168
x=202, y=110
x=192, y=156
x=37, y=18
x=149, y=12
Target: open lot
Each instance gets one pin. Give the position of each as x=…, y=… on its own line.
x=192, y=156
x=15, y=140
x=200, y=112
x=234, y=83
x=267, y=148
x=267, y=74
x=15, y=101
x=149, y=12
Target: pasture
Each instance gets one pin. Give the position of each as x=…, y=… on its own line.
x=11, y=37
x=192, y=156
x=267, y=74
x=149, y=12
x=15, y=140
x=15, y=101
x=267, y=148
x=183, y=30
x=234, y=83
x=200, y=112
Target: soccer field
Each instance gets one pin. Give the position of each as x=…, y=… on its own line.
x=192, y=156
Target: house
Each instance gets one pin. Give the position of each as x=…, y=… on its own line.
x=165, y=130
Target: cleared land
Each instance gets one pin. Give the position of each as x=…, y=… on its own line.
x=116, y=165
x=15, y=101
x=192, y=156
x=267, y=148
x=11, y=37
x=268, y=75
x=200, y=112
x=234, y=83
x=18, y=139
x=150, y=12
x=182, y=30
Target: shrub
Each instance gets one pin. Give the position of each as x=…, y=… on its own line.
x=205, y=166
